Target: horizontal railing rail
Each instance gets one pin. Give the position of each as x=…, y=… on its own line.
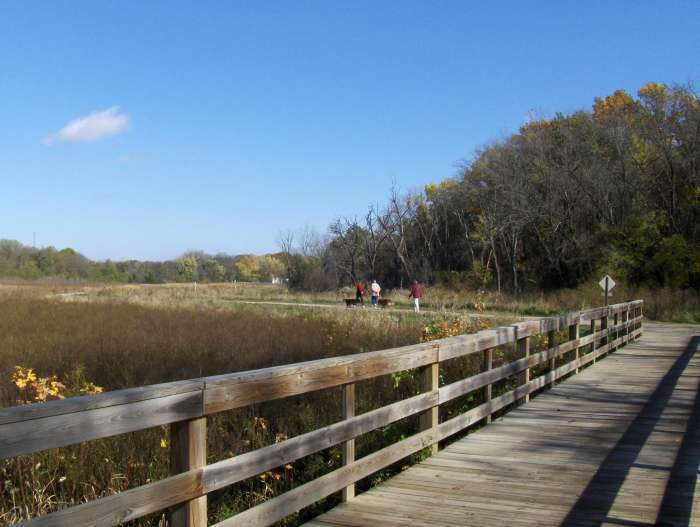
x=184, y=406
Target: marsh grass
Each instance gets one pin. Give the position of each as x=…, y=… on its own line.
x=124, y=343
x=673, y=305
x=124, y=336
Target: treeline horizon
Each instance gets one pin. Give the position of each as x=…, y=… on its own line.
x=24, y=262
x=612, y=189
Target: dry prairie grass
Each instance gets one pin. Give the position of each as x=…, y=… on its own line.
x=660, y=304
x=123, y=344
x=125, y=336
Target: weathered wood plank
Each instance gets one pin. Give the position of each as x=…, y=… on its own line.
x=227, y=472
x=574, y=336
x=461, y=345
x=548, y=452
x=138, y=502
x=524, y=352
x=348, y=446
x=71, y=405
x=225, y=392
x=128, y=505
x=55, y=431
x=188, y=451
x=551, y=343
x=465, y=386
x=488, y=389
x=430, y=382
x=281, y=506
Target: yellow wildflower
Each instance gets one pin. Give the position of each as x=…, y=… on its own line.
x=92, y=389
x=259, y=422
x=22, y=377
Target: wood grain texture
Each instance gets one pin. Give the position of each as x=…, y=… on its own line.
x=188, y=451
x=226, y=392
x=138, y=502
x=128, y=505
x=524, y=352
x=227, y=472
x=488, y=389
x=43, y=433
x=430, y=382
x=574, y=337
x=461, y=345
x=282, y=506
x=91, y=402
x=601, y=448
x=348, y=446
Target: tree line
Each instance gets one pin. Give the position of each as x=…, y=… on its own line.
x=21, y=261
x=615, y=189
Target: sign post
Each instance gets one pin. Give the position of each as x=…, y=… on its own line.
x=606, y=284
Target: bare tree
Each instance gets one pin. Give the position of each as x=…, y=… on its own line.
x=347, y=245
x=395, y=221
x=374, y=239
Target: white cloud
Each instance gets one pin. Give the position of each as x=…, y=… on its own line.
x=91, y=128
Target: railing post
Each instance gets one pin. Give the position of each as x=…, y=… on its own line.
x=524, y=351
x=594, y=339
x=616, y=331
x=488, y=389
x=348, y=446
x=551, y=342
x=188, y=450
x=430, y=380
x=604, y=327
x=574, y=335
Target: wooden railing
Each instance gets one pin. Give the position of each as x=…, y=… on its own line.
x=184, y=406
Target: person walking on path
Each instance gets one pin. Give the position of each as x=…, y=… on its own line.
x=360, y=292
x=417, y=294
x=376, y=290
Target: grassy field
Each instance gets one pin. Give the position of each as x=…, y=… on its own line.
x=57, y=344
x=671, y=305
x=60, y=340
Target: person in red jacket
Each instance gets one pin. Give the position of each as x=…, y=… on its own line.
x=417, y=294
x=360, y=292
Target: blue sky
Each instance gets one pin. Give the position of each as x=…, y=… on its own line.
x=226, y=122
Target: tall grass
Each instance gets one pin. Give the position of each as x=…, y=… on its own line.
x=121, y=344
x=674, y=305
x=119, y=337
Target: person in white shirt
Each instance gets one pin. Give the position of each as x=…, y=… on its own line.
x=376, y=290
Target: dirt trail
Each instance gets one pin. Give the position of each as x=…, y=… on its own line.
x=391, y=309
x=313, y=305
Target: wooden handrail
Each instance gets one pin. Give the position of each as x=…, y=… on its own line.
x=185, y=405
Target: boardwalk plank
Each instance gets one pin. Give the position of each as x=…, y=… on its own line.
x=598, y=449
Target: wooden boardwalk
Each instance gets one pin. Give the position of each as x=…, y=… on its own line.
x=618, y=444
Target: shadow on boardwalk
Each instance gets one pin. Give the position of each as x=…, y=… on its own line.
x=599, y=495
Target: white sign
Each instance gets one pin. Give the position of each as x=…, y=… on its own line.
x=611, y=283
